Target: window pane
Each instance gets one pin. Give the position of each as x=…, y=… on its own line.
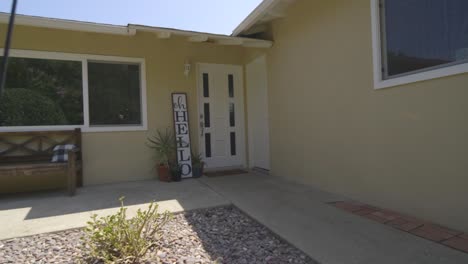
x=206, y=110
x=208, y=145
x=206, y=85
x=233, y=143
x=232, y=115
x=114, y=94
x=41, y=92
x=231, y=85
x=420, y=34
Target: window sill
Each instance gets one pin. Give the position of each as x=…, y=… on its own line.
x=84, y=129
x=423, y=76
x=114, y=129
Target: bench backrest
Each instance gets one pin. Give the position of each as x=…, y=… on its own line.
x=35, y=146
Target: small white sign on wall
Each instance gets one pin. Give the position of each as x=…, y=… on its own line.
x=182, y=133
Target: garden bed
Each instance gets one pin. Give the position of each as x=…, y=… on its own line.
x=222, y=234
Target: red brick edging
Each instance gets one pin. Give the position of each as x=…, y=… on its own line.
x=445, y=236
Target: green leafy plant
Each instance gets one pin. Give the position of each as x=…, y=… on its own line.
x=118, y=240
x=164, y=144
x=197, y=165
x=197, y=160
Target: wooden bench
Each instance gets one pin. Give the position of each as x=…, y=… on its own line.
x=30, y=153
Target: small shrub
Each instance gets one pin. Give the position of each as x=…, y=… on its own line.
x=116, y=239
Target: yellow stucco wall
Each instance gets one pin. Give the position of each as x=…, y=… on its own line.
x=123, y=156
x=403, y=148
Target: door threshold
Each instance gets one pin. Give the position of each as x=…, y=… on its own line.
x=228, y=172
x=217, y=169
x=261, y=170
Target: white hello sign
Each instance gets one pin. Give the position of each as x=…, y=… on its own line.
x=182, y=133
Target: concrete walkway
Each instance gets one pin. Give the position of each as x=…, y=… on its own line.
x=49, y=212
x=300, y=215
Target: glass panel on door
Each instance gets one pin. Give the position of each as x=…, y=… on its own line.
x=233, y=143
x=206, y=112
x=208, y=145
x=206, y=85
x=231, y=85
x=232, y=115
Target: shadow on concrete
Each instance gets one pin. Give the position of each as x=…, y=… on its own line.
x=189, y=194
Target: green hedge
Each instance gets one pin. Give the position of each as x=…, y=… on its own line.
x=23, y=107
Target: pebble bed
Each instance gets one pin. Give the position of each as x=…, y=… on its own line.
x=217, y=235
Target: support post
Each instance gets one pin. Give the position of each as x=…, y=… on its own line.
x=71, y=172
x=6, y=52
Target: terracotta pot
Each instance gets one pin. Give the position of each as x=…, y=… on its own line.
x=164, y=173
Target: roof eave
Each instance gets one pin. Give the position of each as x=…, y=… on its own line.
x=131, y=30
x=194, y=36
x=265, y=12
x=254, y=17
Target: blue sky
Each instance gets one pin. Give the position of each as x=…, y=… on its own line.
x=214, y=16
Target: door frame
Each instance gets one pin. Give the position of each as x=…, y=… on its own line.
x=242, y=145
x=253, y=111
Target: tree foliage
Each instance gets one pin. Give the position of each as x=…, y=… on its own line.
x=57, y=82
x=20, y=107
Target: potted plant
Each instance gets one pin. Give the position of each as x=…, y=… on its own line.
x=164, y=145
x=197, y=165
x=176, y=171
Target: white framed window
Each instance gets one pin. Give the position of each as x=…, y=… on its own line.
x=55, y=91
x=418, y=40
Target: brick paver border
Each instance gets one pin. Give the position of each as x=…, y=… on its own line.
x=445, y=236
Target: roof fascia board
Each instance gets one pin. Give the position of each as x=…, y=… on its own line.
x=67, y=24
x=254, y=17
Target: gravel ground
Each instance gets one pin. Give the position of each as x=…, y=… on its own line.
x=221, y=234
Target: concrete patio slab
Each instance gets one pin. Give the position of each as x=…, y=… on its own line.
x=300, y=214
x=49, y=212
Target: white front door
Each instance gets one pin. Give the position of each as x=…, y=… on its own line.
x=221, y=115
